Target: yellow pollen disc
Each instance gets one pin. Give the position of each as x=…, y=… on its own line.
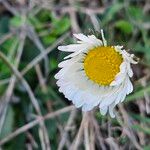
x=102, y=64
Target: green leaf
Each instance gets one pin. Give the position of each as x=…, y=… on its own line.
x=16, y=21
x=44, y=15
x=135, y=12
x=111, y=11
x=146, y=147
x=9, y=43
x=52, y=128
x=142, y=129
x=138, y=94
x=53, y=63
x=141, y=118
x=49, y=39
x=4, y=25
x=60, y=26
x=8, y=124
x=139, y=48
x=18, y=143
x=34, y=21
x=124, y=26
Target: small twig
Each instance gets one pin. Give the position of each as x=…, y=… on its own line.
x=86, y=133
x=41, y=79
x=19, y=76
x=64, y=134
x=33, y=37
x=85, y=10
x=95, y=22
x=73, y=18
x=44, y=89
x=41, y=56
x=77, y=140
x=30, y=93
x=5, y=37
x=98, y=133
x=92, y=135
x=35, y=122
x=29, y=146
x=112, y=143
x=14, y=46
x=146, y=96
x=3, y=107
x=9, y=7
x=4, y=81
x=141, y=135
x=127, y=128
x=42, y=140
x=146, y=6
x=32, y=140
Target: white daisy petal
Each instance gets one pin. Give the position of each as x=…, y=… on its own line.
x=129, y=86
x=88, y=39
x=82, y=37
x=72, y=47
x=103, y=110
x=90, y=77
x=78, y=99
x=73, y=54
x=90, y=102
x=111, y=107
x=108, y=100
x=122, y=92
x=130, y=72
x=95, y=41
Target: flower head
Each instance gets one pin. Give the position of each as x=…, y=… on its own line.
x=95, y=74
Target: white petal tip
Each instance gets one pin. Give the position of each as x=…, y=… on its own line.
x=61, y=48
x=103, y=111
x=76, y=34
x=56, y=77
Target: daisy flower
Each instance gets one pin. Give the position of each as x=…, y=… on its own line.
x=95, y=74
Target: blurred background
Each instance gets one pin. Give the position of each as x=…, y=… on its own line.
x=33, y=114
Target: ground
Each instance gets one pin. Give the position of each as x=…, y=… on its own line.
x=33, y=114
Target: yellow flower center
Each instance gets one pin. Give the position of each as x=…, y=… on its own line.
x=102, y=64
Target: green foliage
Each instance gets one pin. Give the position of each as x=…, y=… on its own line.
x=135, y=13
x=16, y=21
x=141, y=118
x=8, y=124
x=124, y=23
x=59, y=26
x=142, y=129
x=53, y=64
x=124, y=26
x=4, y=25
x=8, y=44
x=111, y=12
x=138, y=94
x=147, y=147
